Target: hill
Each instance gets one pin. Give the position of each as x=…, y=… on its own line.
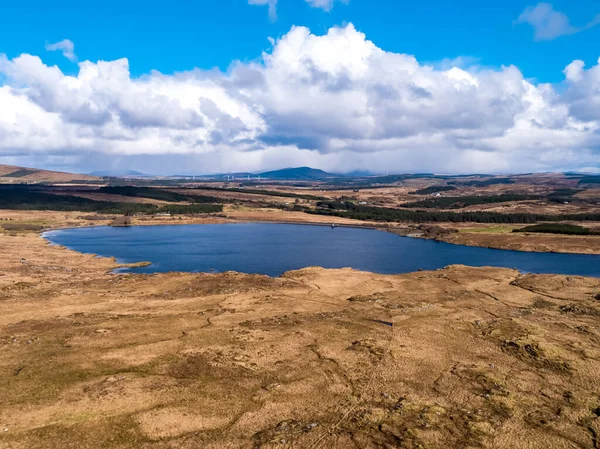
x=10, y=174
x=119, y=173
x=298, y=173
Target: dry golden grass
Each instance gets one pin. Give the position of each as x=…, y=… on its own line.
x=502, y=237
x=456, y=358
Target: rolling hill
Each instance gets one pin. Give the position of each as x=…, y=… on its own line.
x=298, y=173
x=10, y=174
x=119, y=173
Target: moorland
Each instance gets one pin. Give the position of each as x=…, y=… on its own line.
x=454, y=358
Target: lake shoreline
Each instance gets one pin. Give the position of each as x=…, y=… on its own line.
x=547, y=243
x=531, y=243
x=255, y=247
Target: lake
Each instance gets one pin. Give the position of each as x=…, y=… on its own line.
x=273, y=249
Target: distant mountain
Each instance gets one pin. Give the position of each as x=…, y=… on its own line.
x=235, y=176
x=117, y=173
x=288, y=174
x=298, y=174
x=361, y=174
x=580, y=174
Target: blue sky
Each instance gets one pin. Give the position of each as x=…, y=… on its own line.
x=179, y=35
x=249, y=85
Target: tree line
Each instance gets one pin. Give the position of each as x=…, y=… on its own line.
x=458, y=202
x=157, y=194
x=350, y=210
x=21, y=198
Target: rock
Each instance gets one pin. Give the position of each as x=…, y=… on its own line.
x=312, y=425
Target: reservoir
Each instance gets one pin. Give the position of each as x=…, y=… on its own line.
x=273, y=249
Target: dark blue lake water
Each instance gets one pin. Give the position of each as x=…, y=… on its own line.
x=273, y=249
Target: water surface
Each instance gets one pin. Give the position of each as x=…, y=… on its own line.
x=273, y=249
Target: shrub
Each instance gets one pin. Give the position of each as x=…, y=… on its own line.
x=121, y=222
x=433, y=189
x=555, y=228
x=179, y=209
x=22, y=227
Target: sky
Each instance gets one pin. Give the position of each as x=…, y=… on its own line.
x=197, y=87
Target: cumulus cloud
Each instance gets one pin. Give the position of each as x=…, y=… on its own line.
x=335, y=101
x=66, y=47
x=583, y=92
x=549, y=24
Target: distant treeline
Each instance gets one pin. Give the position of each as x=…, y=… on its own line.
x=182, y=209
x=590, y=180
x=351, y=210
x=564, y=192
x=22, y=198
x=78, y=182
x=562, y=195
x=373, y=181
x=558, y=228
x=458, y=202
x=433, y=189
x=157, y=194
x=489, y=182
x=19, y=173
x=263, y=192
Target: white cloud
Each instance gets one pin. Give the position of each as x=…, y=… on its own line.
x=66, y=47
x=335, y=101
x=549, y=24
x=325, y=5
x=583, y=93
x=272, y=7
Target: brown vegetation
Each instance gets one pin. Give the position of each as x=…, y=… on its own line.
x=455, y=358
x=502, y=237
x=21, y=227
x=121, y=222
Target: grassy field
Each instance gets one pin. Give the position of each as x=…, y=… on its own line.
x=455, y=358
x=488, y=229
